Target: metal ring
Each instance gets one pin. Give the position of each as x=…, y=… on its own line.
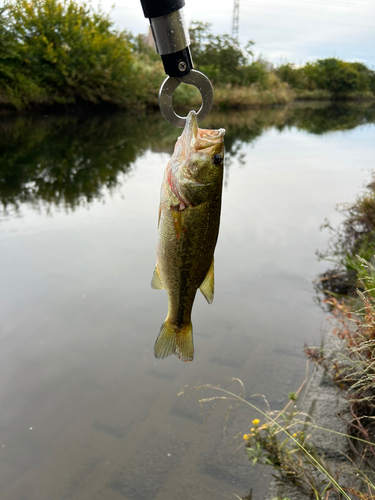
x=168, y=87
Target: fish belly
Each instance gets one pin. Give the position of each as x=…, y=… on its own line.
x=185, y=252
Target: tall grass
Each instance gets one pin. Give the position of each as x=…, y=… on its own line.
x=238, y=97
x=349, y=291
x=353, y=368
x=284, y=441
x=253, y=96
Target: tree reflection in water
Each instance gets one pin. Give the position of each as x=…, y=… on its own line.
x=69, y=160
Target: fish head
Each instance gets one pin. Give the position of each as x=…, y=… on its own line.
x=196, y=167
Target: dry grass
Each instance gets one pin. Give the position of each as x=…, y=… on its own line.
x=353, y=368
x=231, y=96
x=238, y=97
x=276, y=92
x=251, y=97
x=312, y=95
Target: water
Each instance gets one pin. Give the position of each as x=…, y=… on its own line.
x=87, y=412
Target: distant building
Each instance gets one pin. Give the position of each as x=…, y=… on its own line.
x=148, y=39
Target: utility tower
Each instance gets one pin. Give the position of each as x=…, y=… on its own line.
x=236, y=18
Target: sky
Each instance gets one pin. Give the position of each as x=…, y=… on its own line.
x=283, y=30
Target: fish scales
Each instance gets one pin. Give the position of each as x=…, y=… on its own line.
x=186, y=260
x=189, y=218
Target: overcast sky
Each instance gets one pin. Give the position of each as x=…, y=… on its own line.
x=294, y=30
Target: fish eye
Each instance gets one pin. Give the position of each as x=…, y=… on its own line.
x=217, y=158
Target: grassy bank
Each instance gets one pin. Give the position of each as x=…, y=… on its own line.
x=322, y=445
x=228, y=96
x=286, y=440
x=237, y=97
x=66, y=53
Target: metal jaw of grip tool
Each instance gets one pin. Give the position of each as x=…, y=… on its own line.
x=172, y=42
x=168, y=87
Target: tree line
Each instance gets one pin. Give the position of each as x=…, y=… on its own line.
x=65, y=52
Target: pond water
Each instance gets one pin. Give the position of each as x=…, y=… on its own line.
x=87, y=412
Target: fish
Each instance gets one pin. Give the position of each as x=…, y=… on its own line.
x=188, y=228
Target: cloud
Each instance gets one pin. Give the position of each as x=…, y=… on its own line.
x=281, y=29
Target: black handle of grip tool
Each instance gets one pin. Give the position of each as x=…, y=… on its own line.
x=155, y=8
x=171, y=43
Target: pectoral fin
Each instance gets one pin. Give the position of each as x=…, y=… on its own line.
x=177, y=221
x=156, y=282
x=207, y=286
x=159, y=215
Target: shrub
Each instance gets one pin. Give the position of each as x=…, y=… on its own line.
x=8, y=46
x=256, y=72
x=13, y=83
x=72, y=51
x=338, y=77
x=293, y=76
x=218, y=56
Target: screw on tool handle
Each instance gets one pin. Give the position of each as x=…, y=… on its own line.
x=170, y=34
x=178, y=64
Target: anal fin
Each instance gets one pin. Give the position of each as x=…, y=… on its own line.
x=156, y=282
x=207, y=286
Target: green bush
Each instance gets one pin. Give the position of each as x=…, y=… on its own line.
x=291, y=75
x=8, y=47
x=72, y=50
x=338, y=77
x=218, y=56
x=333, y=75
x=16, y=86
x=225, y=62
x=62, y=51
x=257, y=72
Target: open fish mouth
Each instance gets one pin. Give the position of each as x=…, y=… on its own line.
x=197, y=138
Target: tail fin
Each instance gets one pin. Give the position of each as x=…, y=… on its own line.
x=173, y=340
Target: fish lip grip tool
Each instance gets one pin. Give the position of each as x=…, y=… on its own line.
x=172, y=42
x=168, y=87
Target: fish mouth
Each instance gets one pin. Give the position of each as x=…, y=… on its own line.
x=197, y=138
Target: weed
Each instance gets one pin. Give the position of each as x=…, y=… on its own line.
x=354, y=368
x=352, y=241
x=284, y=442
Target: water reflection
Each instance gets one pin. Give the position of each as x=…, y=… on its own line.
x=70, y=160
x=314, y=118
x=86, y=409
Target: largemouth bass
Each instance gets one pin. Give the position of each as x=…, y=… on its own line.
x=188, y=227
